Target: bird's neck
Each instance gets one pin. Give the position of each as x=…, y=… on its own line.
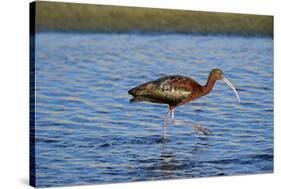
x=209, y=85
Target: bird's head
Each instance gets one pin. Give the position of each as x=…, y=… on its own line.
x=217, y=74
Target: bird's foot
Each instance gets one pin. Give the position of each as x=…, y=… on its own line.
x=164, y=139
x=201, y=129
x=180, y=122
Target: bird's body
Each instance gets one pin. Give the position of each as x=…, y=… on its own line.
x=173, y=90
x=176, y=90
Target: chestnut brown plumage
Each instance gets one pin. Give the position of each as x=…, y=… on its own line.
x=176, y=90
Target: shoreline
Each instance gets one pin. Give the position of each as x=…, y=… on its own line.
x=252, y=35
x=89, y=18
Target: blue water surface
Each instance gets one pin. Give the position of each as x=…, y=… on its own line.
x=87, y=132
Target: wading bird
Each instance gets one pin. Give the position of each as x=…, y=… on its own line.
x=176, y=90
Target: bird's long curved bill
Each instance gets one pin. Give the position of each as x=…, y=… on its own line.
x=232, y=87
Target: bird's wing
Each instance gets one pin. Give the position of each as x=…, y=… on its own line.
x=174, y=89
x=168, y=90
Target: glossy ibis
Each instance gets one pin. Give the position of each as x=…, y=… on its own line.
x=176, y=90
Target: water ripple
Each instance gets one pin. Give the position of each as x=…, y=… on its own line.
x=88, y=132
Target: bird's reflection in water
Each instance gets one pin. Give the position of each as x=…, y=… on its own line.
x=170, y=165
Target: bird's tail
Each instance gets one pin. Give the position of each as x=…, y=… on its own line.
x=141, y=89
x=137, y=90
x=135, y=99
x=132, y=92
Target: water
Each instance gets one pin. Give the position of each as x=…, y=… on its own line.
x=87, y=132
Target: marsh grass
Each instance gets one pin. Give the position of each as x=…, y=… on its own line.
x=73, y=17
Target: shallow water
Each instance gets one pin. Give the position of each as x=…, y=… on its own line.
x=87, y=132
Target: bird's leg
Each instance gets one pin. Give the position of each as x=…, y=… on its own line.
x=165, y=123
x=172, y=109
x=173, y=117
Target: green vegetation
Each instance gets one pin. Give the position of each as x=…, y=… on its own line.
x=72, y=17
